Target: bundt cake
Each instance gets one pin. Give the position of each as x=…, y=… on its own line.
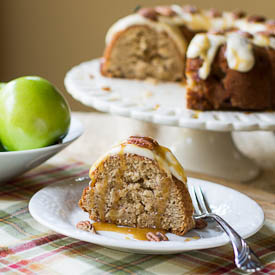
x=139, y=183
x=227, y=59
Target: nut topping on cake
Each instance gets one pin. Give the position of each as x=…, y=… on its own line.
x=238, y=14
x=245, y=34
x=156, y=237
x=266, y=33
x=145, y=142
x=165, y=11
x=86, y=226
x=149, y=13
x=214, y=13
x=256, y=18
x=216, y=32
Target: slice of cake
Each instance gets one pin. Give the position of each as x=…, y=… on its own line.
x=139, y=183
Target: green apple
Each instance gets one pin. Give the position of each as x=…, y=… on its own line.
x=2, y=148
x=33, y=114
x=2, y=85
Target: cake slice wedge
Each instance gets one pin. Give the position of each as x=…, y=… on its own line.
x=139, y=183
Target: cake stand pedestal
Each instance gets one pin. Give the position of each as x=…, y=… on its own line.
x=213, y=153
x=205, y=142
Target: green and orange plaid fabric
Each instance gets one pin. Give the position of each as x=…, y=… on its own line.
x=26, y=247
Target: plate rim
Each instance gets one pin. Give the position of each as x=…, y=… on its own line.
x=170, y=247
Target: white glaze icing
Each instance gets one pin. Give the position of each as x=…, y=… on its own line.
x=239, y=53
x=205, y=46
x=136, y=19
x=196, y=22
x=162, y=155
x=262, y=40
x=251, y=27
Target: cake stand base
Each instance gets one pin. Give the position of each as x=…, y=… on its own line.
x=215, y=154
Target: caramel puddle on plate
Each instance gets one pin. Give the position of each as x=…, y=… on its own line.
x=137, y=233
x=192, y=238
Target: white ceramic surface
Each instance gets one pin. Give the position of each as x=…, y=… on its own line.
x=161, y=103
x=56, y=207
x=15, y=163
x=213, y=153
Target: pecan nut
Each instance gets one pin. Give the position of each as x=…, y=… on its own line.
x=149, y=13
x=145, y=142
x=200, y=224
x=216, y=32
x=214, y=13
x=156, y=237
x=266, y=33
x=86, y=226
x=245, y=34
x=165, y=11
x=238, y=14
x=256, y=18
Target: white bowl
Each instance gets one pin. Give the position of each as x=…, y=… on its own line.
x=15, y=163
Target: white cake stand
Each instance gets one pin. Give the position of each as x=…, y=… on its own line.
x=206, y=144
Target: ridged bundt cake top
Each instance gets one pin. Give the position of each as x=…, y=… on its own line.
x=149, y=148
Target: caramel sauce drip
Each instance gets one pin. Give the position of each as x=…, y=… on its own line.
x=161, y=203
x=103, y=190
x=137, y=233
x=192, y=238
x=113, y=213
x=162, y=158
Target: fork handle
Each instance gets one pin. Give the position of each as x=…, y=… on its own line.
x=243, y=253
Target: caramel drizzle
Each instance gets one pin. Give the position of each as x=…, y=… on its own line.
x=137, y=233
x=161, y=158
x=118, y=186
x=101, y=201
x=161, y=203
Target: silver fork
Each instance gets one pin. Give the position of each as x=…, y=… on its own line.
x=245, y=258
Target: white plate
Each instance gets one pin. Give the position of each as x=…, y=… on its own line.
x=161, y=103
x=15, y=163
x=56, y=207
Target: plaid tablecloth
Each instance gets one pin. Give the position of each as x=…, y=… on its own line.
x=26, y=247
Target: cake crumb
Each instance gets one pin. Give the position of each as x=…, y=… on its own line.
x=106, y=88
x=147, y=94
x=151, y=80
x=156, y=106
